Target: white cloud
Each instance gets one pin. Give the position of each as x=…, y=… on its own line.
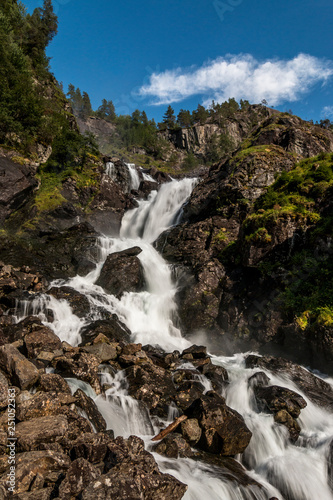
x=241, y=77
x=327, y=112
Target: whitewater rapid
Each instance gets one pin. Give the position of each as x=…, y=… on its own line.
x=286, y=471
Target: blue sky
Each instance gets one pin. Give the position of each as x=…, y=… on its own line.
x=149, y=53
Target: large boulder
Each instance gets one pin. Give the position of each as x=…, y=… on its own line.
x=315, y=388
x=223, y=429
x=31, y=433
x=81, y=365
x=80, y=475
x=33, y=468
x=122, y=272
x=133, y=474
x=112, y=329
x=21, y=371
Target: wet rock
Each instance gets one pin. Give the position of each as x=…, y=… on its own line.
x=133, y=473
x=52, y=382
x=285, y=418
x=41, y=339
x=259, y=379
x=21, y=371
x=89, y=406
x=112, y=329
x=197, y=352
x=122, y=272
x=174, y=446
x=152, y=385
x=79, y=303
x=77, y=425
x=81, y=365
x=223, y=429
x=191, y=431
x=79, y=475
x=34, y=468
x=39, y=430
x=315, y=388
x=188, y=391
x=40, y=404
x=104, y=352
x=140, y=357
x=275, y=398
x=216, y=374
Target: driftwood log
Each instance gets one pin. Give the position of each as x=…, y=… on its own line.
x=170, y=428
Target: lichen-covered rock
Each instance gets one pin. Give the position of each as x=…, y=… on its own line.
x=112, y=329
x=40, y=404
x=223, y=429
x=174, y=446
x=41, y=339
x=78, y=476
x=133, y=474
x=81, y=365
x=191, y=430
x=40, y=430
x=52, y=382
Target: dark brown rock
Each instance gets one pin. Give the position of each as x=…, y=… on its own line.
x=315, y=388
x=285, y=418
x=21, y=371
x=89, y=406
x=133, y=474
x=81, y=365
x=122, y=272
x=79, y=475
x=275, y=398
x=52, y=382
x=104, y=352
x=38, y=467
x=152, y=385
x=79, y=303
x=223, y=429
x=39, y=430
x=174, y=446
x=16, y=186
x=112, y=329
x=41, y=339
x=191, y=431
x=197, y=352
x=3, y=391
x=38, y=405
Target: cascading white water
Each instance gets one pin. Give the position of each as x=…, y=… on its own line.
x=134, y=176
x=110, y=170
x=287, y=471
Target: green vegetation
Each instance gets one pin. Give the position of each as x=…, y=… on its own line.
x=300, y=194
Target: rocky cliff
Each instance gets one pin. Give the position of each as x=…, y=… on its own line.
x=240, y=242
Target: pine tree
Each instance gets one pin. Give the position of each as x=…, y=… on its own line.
x=86, y=105
x=184, y=118
x=169, y=117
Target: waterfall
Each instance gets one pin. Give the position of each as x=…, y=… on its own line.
x=134, y=176
x=110, y=169
x=286, y=471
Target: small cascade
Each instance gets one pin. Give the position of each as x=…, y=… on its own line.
x=147, y=177
x=134, y=176
x=110, y=170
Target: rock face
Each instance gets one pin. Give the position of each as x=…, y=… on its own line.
x=16, y=186
x=122, y=272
